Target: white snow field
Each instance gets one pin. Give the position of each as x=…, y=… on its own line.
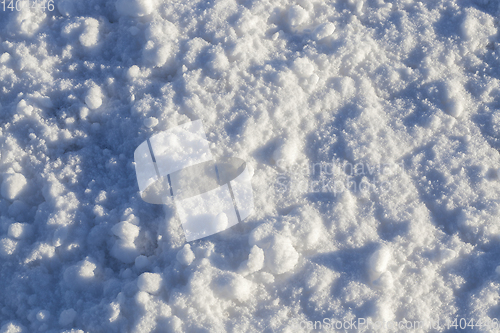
x=372, y=128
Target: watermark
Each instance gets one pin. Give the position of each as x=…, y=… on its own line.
x=367, y=324
x=336, y=177
x=19, y=5
x=177, y=166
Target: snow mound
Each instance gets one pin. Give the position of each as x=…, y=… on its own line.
x=135, y=8
x=150, y=282
x=185, y=256
x=12, y=185
x=93, y=99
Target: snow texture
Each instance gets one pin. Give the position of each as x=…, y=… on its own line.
x=371, y=130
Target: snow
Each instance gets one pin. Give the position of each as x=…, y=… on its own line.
x=370, y=132
x=233, y=287
x=281, y=256
x=297, y=16
x=19, y=230
x=185, y=256
x=141, y=262
x=286, y=154
x=124, y=248
x=94, y=98
x=124, y=251
x=126, y=231
x=149, y=282
x=378, y=263
x=12, y=185
x=67, y=317
x=80, y=275
x=135, y=8
x=221, y=221
x=11, y=328
x=43, y=315
x=254, y=263
x=324, y=30
x=150, y=122
x=303, y=67
x=7, y=247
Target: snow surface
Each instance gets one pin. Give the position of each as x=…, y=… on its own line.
x=406, y=93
